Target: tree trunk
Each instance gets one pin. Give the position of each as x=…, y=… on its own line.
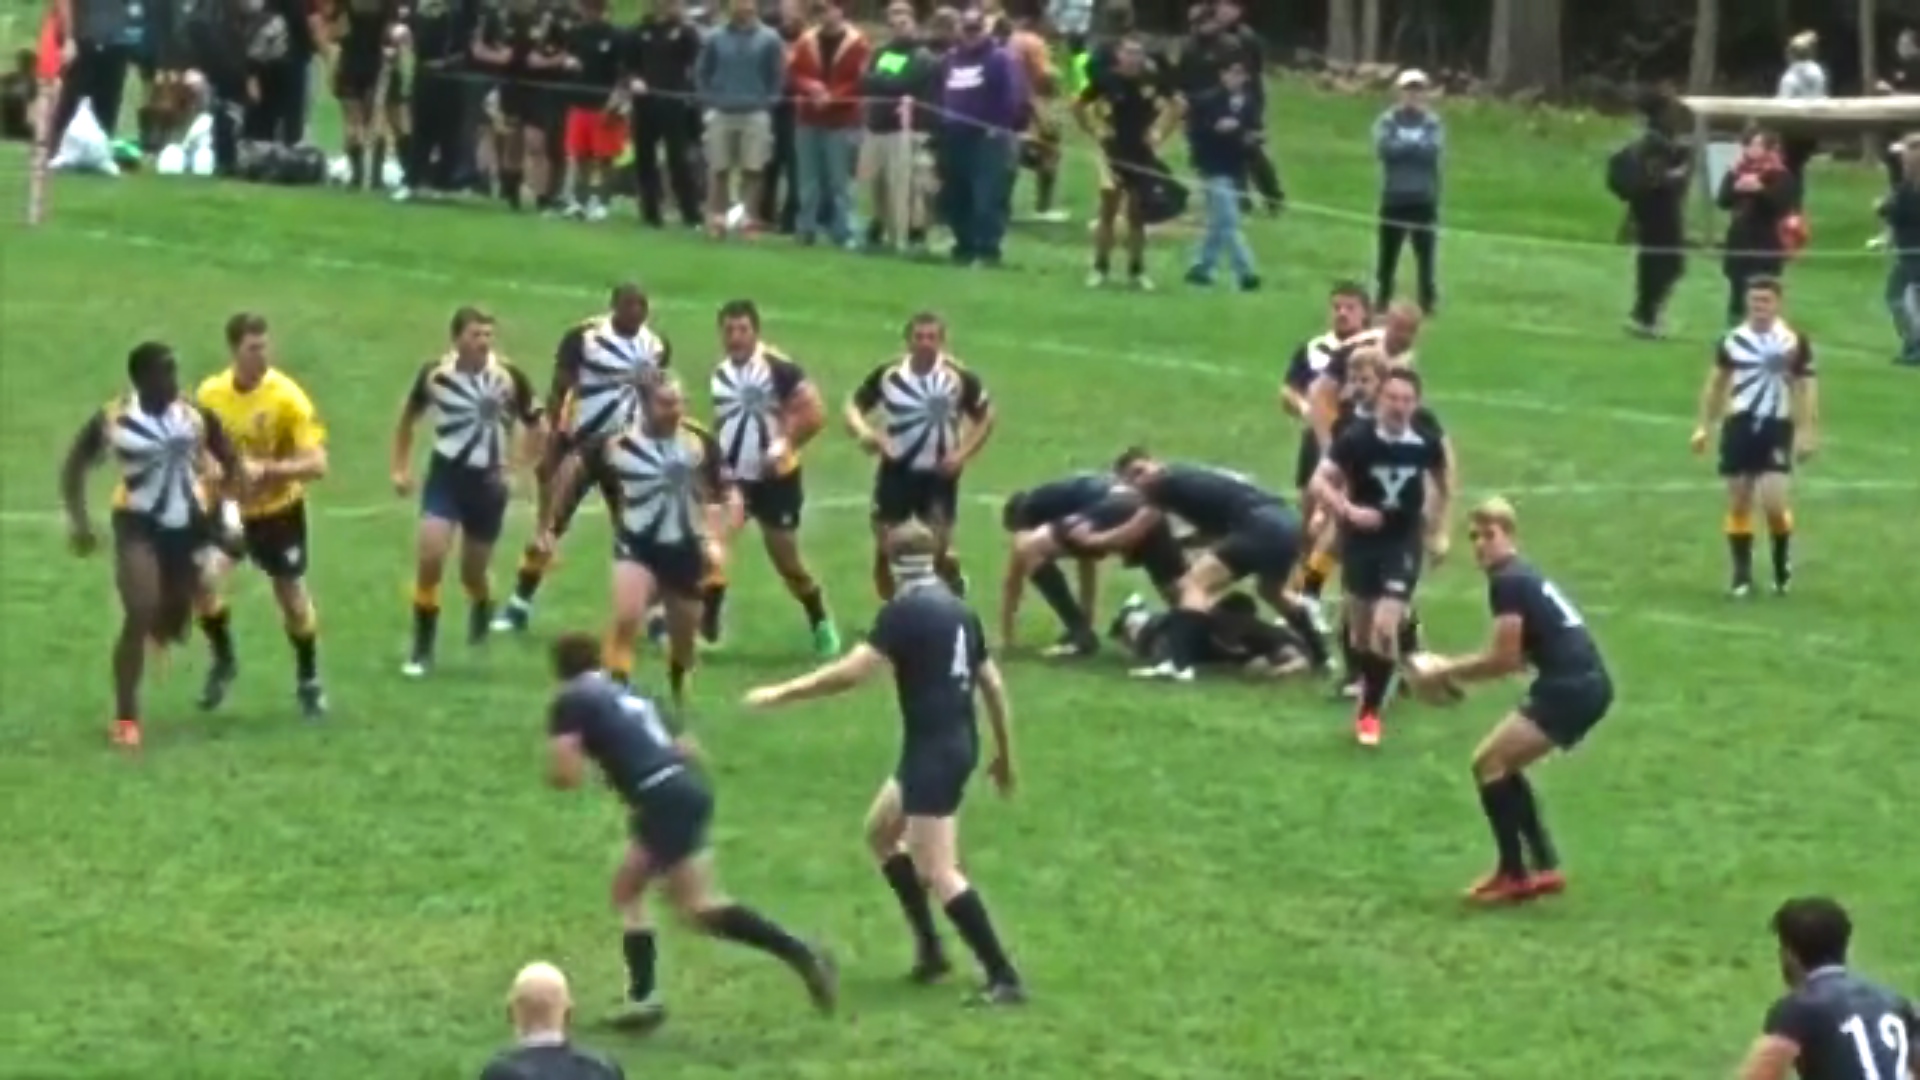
x=1341, y=46
x=1703, y=68
x=1369, y=49
x=1523, y=49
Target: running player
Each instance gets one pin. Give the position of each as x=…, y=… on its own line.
x=599, y=369
x=765, y=412
x=674, y=498
x=1534, y=626
x=596, y=719
x=1831, y=1024
x=475, y=396
x=1248, y=532
x=1761, y=392
x=1386, y=483
x=1042, y=521
x=282, y=447
x=362, y=69
x=938, y=652
x=160, y=443
x=1349, y=312
x=935, y=418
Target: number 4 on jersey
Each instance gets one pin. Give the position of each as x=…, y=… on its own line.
x=962, y=660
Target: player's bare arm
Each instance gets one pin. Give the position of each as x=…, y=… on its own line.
x=1089, y=586
x=1501, y=657
x=1713, y=400
x=1329, y=488
x=566, y=477
x=566, y=371
x=566, y=762
x=802, y=417
x=973, y=437
x=860, y=663
x=1320, y=407
x=88, y=450
x=1772, y=1057
x=1439, y=518
x=220, y=448
x=862, y=430
x=1806, y=405
x=1122, y=536
x=993, y=694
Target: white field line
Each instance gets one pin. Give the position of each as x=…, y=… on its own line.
x=843, y=501
x=808, y=316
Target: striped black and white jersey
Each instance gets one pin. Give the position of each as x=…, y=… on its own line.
x=1762, y=367
x=923, y=410
x=162, y=457
x=666, y=482
x=750, y=399
x=1312, y=358
x=474, y=410
x=606, y=369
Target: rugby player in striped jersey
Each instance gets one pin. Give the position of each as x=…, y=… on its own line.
x=1762, y=395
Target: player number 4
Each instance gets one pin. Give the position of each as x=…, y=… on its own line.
x=1569, y=616
x=1892, y=1034
x=648, y=717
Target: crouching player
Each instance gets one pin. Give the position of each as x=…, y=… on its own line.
x=1042, y=521
x=1534, y=626
x=1236, y=637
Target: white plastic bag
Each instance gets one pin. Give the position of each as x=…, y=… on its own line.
x=84, y=147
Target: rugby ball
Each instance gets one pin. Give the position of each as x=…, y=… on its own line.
x=1442, y=692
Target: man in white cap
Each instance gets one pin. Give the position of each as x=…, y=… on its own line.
x=539, y=1005
x=1408, y=138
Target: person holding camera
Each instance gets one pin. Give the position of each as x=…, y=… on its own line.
x=1759, y=195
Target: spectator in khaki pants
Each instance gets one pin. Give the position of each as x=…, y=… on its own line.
x=895, y=161
x=742, y=69
x=825, y=70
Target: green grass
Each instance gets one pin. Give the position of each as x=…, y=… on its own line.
x=1201, y=882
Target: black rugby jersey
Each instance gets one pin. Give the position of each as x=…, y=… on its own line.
x=1214, y=501
x=620, y=730
x=1847, y=1027
x=1553, y=634
x=1064, y=497
x=555, y=1059
x=1388, y=473
x=937, y=647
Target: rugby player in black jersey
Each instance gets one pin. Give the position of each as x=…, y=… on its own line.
x=1248, y=532
x=938, y=652
x=1831, y=1024
x=1341, y=399
x=1041, y=521
x=1534, y=626
x=594, y=719
x=1236, y=637
x=1386, y=483
x=1761, y=394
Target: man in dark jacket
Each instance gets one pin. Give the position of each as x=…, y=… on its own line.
x=1757, y=193
x=661, y=53
x=1242, y=43
x=894, y=156
x=1222, y=123
x=1650, y=176
x=1901, y=211
x=981, y=99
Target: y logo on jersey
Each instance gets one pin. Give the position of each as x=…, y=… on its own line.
x=1393, y=479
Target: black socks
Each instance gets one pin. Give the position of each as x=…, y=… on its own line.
x=745, y=926
x=1051, y=583
x=642, y=952
x=912, y=895
x=968, y=913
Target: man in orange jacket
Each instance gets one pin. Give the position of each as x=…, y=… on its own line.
x=825, y=72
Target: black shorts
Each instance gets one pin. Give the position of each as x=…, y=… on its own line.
x=1130, y=170
x=1265, y=545
x=473, y=499
x=902, y=494
x=1306, y=460
x=277, y=542
x=775, y=503
x=1380, y=567
x=356, y=74
x=1566, y=708
x=933, y=780
x=1750, y=447
x=677, y=568
x=1160, y=557
x=670, y=819
x=531, y=106
x=175, y=550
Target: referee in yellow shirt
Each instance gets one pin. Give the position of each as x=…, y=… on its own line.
x=283, y=447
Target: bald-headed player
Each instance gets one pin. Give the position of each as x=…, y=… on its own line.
x=1535, y=627
x=540, y=1005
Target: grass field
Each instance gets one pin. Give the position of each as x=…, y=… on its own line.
x=1204, y=881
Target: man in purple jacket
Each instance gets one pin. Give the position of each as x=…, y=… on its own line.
x=981, y=98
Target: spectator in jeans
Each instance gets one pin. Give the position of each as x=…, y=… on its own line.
x=828, y=64
x=1901, y=210
x=742, y=70
x=1222, y=124
x=1408, y=139
x=893, y=156
x=981, y=97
